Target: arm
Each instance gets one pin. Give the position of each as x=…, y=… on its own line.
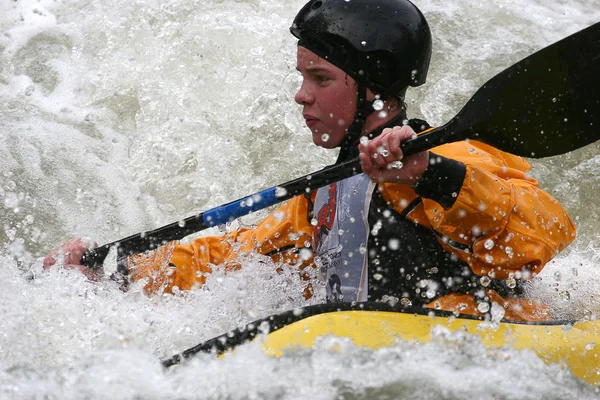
x=281, y=235
x=487, y=211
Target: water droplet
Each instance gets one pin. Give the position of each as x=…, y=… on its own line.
x=314, y=222
x=413, y=74
x=383, y=151
x=565, y=295
x=363, y=43
x=280, y=192
x=483, y=307
x=306, y=254
x=511, y=282
x=325, y=137
x=378, y=105
x=489, y=244
x=279, y=216
x=485, y=281
x=298, y=311
x=394, y=244
x=557, y=276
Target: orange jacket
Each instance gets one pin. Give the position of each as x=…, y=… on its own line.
x=512, y=227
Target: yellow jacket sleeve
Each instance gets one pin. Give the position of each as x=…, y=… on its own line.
x=182, y=266
x=501, y=223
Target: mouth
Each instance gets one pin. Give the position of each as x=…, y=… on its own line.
x=310, y=120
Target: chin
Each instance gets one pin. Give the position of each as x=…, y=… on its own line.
x=329, y=144
x=325, y=145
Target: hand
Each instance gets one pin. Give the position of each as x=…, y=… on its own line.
x=382, y=158
x=69, y=255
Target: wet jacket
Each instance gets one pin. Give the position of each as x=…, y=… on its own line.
x=475, y=224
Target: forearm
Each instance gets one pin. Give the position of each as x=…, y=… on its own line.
x=282, y=235
x=179, y=266
x=508, y=225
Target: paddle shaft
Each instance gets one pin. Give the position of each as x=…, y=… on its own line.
x=544, y=105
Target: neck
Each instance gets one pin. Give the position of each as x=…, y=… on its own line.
x=375, y=120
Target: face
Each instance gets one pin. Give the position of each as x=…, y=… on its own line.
x=328, y=97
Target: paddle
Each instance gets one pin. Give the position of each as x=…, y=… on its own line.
x=544, y=105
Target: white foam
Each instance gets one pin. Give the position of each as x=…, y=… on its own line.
x=123, y=116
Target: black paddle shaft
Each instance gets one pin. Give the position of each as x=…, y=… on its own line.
x=544, y=105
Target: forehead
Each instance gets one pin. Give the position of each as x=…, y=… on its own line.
x=308, y=59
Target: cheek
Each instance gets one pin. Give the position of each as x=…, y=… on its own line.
x=343, y=108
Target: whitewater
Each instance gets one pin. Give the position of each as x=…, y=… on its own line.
x=118, y=117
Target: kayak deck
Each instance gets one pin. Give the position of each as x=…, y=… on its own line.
x=377, y=325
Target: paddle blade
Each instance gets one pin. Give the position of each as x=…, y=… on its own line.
x=545, y=105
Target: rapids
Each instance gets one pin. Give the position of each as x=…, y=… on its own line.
x=123, y=116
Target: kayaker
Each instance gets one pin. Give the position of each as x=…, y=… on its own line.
x=456, y=228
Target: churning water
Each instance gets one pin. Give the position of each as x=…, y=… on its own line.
x=122, y=116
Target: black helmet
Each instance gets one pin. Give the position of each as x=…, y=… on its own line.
x=383, y=44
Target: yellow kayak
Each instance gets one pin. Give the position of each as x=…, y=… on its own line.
x=377, y=325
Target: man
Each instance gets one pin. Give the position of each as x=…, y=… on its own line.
x=456, y=228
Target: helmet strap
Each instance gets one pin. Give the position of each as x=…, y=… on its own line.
x=363, y=109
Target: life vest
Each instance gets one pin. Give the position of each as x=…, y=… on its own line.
x=365, y=250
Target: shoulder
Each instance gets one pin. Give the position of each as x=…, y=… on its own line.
x=473, y=152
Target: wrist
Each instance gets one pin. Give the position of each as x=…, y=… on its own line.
x=441, y=181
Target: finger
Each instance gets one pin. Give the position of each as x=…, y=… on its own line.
x=376, y=147
x=49, y=261
x=75, y=249
x=365, y=161
x=394, y=142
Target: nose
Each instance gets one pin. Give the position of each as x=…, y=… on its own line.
x=304, y=96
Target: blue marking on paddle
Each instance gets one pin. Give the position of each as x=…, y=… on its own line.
x=229, y=212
